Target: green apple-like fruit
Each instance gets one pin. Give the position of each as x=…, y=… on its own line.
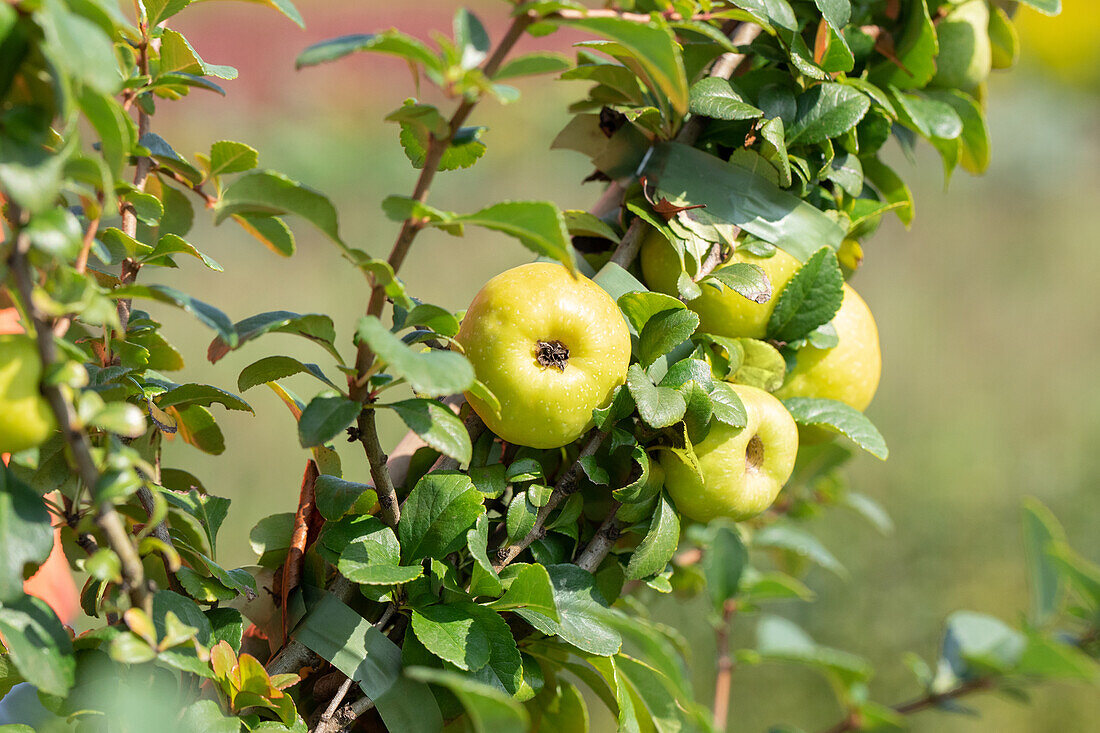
x=850, y=371
x=743, y=469
x=721, y=312
x=966, y=53
x=552, y=347
x=25, y=416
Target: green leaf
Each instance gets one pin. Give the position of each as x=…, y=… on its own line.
x=916, y=50
x=453, y=635
x=531, y=588
x=489, y=709
x=270, y=538
x=640, y=306
x=185, y=610
x=724, y=561
x=390, y=42
x=1078, y=572
x=207, y=716
x=433, y=372
x=209, y=510
x=437, y=426
x=436, y=515
x=271, y=231
x=1050, y=659
x=471, y=39
x=374, y=558
x=315, y=327
x=538, y=225
x=975, y=141
x=1048, y=7
x=1041, y=530
x=227, y=156
x=286, y=7
x=781, y=640
x=81, y=46
x=201, y=394
x=477, y=540
x=736, y=195
x=582, y=610
x=835, y=12
x=208, y=315
x=540, y=62
x=653, y=50
x=659, y=544
x=840, y=418
x=55, y=232
x=826, y=110
x=892, y=188
x=790, y=538
x=810, y=298
x=177, y=55
x=747, y=280
x=326, y=416
x=159, y=10
x=196, y=425
x=659, y=407
x=975, y=643
x=582, y=223
x=37, y=644
x=171, y=244
x=268, y=192
x=116, y=130
x=715, y=97
x=31, y=175
x=464, y=149
x=364, y=654
x=663, y=332
x=334, y=496
x=273, y=368
x=26, y=534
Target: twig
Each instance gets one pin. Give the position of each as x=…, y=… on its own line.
x=602, y=542
x=197, y=188
x=853, y=721
x=107, y=518
x=61, y=326
x=725, y=667
x=383, y=483
x=475, y=426
x=724, y=67
x=566, y=485
x=331, y=720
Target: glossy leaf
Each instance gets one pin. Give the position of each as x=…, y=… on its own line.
x=840, y=418
x=437, y=426
x=434, y=373
x=437, y=514
x=810, y=299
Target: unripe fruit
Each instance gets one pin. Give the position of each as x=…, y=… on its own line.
x=743, y=469
x=848, y=372
x=966, y=53
x=721, y=312
x=25, y=417
x=552, y=348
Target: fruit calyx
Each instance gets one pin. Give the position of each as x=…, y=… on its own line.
x=754, y=454
x=553, y=354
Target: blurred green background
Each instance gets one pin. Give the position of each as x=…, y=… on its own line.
x=987, y=309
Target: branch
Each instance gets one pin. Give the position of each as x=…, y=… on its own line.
x=724, y=67
x=108, y=519
x=725, y=667
x=565, y=486
x=383, y=483
x=602, y=542
x=334, y=719
x=854, y=721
